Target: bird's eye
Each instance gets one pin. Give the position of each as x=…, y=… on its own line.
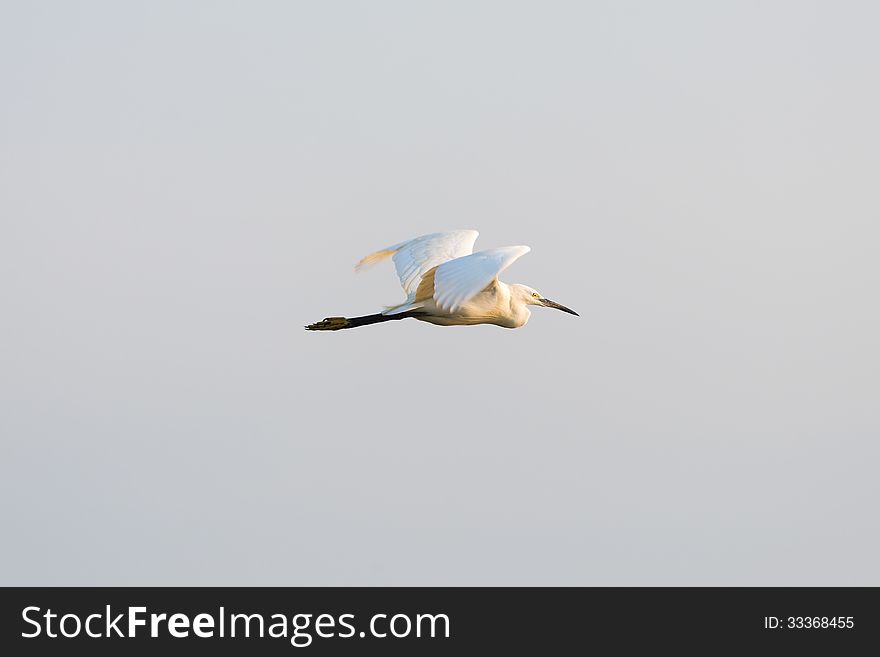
x=535, y=294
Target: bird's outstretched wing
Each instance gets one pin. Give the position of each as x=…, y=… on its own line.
x=416, y=256
x=458, y=280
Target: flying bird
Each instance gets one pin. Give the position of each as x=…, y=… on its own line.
x=447, y=284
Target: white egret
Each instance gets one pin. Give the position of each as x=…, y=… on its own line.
x=449, y=285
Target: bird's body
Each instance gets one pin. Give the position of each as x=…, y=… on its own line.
x=448, y=285
x=490, y=306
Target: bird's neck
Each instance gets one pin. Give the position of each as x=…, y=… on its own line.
x=519, y=309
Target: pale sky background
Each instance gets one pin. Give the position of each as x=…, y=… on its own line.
x=184, y=185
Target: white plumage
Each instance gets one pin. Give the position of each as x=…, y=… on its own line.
x=460, y=280
x=447, y=284
x=413, y=258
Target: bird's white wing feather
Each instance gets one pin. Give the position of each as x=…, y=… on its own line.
x=457, y=281
x=416, y=256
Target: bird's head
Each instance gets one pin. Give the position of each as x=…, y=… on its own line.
x=531, y=297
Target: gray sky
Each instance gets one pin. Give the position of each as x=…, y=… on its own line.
x=186, y=184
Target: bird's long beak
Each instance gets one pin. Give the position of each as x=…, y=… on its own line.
x=558, y=306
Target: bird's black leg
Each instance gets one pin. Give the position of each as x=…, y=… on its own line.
x=337, y=323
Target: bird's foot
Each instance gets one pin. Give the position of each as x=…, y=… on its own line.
x=329, y=324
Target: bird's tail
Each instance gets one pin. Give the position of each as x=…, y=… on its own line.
x=336, y=323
